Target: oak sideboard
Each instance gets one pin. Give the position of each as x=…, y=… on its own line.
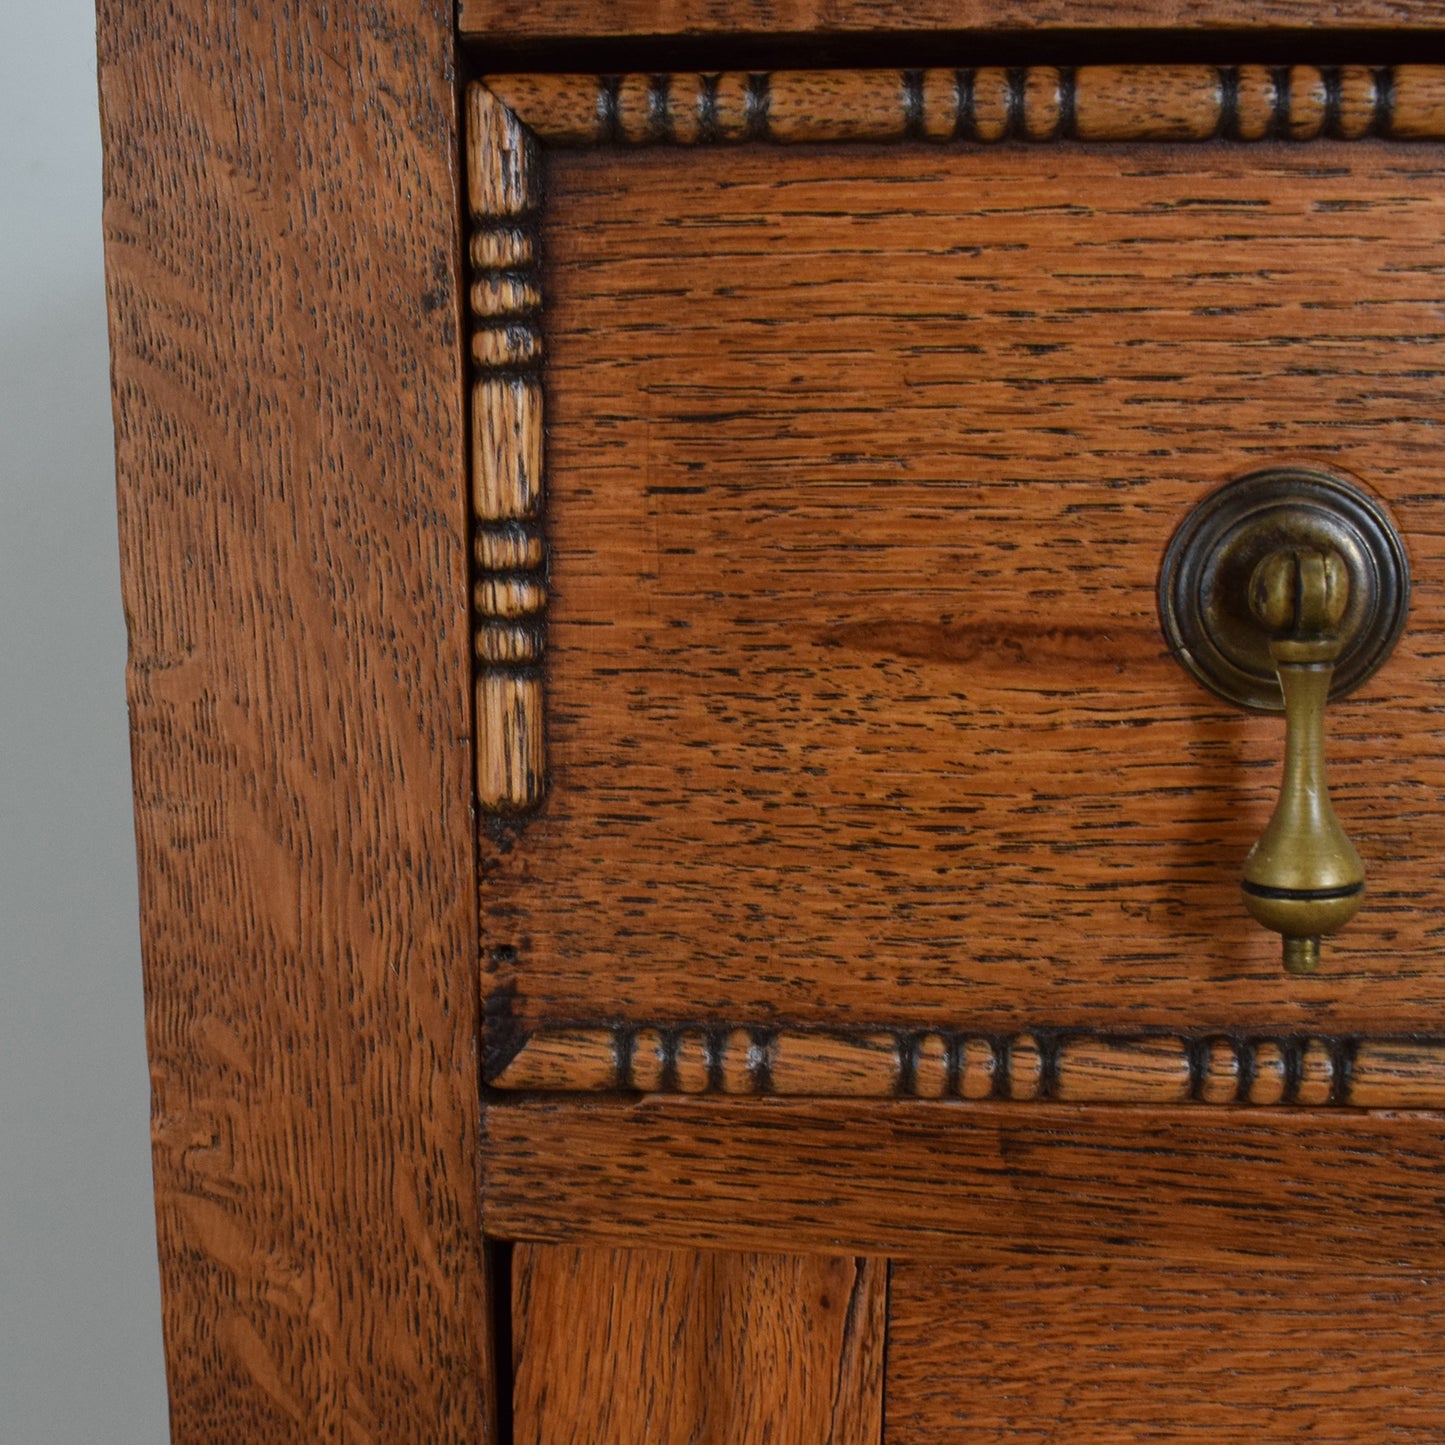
x=787, y=672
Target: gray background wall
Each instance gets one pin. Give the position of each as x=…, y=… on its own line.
x=80, y=1343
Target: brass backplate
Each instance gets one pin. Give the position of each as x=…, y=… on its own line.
x=1205, y=576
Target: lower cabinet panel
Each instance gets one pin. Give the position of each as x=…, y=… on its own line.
x=690, y=1347
x=1103, y=1351
x=706, y=1347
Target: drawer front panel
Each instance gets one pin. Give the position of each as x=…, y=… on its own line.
x=861, y=463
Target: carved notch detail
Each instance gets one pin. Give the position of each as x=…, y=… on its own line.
x=510, y=595
x=1065, y=1066
x=985, y=104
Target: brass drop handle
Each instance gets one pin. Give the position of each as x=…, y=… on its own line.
x=1303, y=877
x=1280, y=591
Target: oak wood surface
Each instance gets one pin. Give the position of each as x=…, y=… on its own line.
x=861, y=464
x=281, y=244
x=978, y=104
x=696, y=1347
x=1114, y=1350
x=502, y=20
x=508, y=485
x=982, y=1182
x=1094, y=1068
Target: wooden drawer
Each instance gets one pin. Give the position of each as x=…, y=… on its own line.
x=836, y=747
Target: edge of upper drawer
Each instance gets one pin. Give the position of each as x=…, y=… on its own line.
x=510, y=21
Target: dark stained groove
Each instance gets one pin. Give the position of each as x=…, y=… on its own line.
x=1068, y=103
x=1384, y=101
x=657, y=117
x=1017, y=78
x=707, y=128
x=887, y=1332
x=914, y=50
x=502, y=1035
x=907, y=1064
x=1342, y=1056
x=1333, y=98
x=912, y=104
x=758, y=104
x=1229, y=103
x=1279, y=120
x=608, y=104
x=1048, y=1046
x=499, y=1269
x=967, y=112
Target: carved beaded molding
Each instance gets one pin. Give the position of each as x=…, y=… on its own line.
x=510, y=120
x=1066, y=1066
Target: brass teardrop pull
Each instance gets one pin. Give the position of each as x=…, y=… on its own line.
x=1281, y=591
x=1303, y=877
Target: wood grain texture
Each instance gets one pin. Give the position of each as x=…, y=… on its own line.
x=687, y=1347
x=984, y=104
x=517, y=20
x=508, y=466
x=1114, y=1350
x=862, y=462
x=1296, y=1070
x=942, y=1179
x=282, y=256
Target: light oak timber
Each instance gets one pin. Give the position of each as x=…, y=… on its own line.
x=861, y=464
x=513, y=21
x=1370, y=1073
x=508, y=467
x=1115, y=1350
x=983, y=104
x=947, y=1179
x=686, y=1347
x=284, y=286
